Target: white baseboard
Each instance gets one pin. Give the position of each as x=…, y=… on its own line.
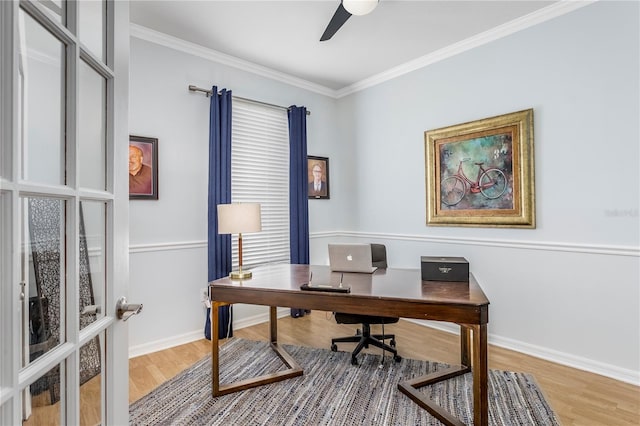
x=580, y=363
x=162, y=344
x=181, y=339
x=596, y=367
x=603, y=369
x=259, y=319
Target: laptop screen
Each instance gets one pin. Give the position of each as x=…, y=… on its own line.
x=350, y=258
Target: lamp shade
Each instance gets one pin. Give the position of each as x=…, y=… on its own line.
x=237, y=218
x=359, y=7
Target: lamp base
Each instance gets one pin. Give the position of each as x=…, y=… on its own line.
x=240, y=275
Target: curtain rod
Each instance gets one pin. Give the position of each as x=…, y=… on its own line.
x=208, y=93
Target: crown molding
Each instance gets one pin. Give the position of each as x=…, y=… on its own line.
x=175, y=43
x=545, y=14
x=555, y=10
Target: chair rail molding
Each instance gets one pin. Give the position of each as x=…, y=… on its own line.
x=490, y=242
x=167, y=246
x=487, y=242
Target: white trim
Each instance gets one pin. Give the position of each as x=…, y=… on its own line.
x=259, y=319
x=607, y=370
x=181, y=339
x=487, y=242
x=562, y=358
x=545, y=14
x=162, y=344
x=178, y=245
x=542, y=15
x=633, y=251
x=557, y=357
x=171, y=42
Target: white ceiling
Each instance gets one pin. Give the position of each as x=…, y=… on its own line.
x=284, y=35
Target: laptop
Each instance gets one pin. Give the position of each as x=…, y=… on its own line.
x=350, y=258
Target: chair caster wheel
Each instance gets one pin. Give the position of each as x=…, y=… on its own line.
x=334, y=348
x=397, y=358
x=354, y=361
x=392, y=343
x=358, y=332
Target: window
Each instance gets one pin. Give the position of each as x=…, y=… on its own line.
x=260, y=174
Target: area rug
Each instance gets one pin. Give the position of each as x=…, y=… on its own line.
x=331, y=392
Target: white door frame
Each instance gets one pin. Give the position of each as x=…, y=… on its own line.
x=117, y=354
x=14, y=378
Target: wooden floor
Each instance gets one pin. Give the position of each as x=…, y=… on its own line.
x=577, y=397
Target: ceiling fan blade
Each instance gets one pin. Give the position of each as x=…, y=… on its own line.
x=339, y=18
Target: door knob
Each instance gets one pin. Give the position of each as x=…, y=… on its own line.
x=125, y=310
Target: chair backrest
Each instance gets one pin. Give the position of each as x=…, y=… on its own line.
x=379, y=255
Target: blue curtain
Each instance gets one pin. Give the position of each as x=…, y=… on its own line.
x=298, y=201
x=219, y=246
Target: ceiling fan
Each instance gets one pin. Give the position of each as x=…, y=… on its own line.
x=345, y=9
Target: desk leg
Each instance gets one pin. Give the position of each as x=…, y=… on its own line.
x=273, y=324
x=465, y=346
x=293, y=368
x=480, y=376
x=215, y=350
x=473, y=357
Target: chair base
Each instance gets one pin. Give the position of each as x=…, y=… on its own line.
x=364, y=340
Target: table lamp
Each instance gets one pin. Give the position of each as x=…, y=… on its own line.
x=236, y=218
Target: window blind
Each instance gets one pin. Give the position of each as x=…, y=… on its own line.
x=260, y=174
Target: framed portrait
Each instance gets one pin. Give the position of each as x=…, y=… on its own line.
x=143, y=168
x=318, y=177
x=481, y=173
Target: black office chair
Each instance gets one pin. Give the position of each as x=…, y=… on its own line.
x=364, y=338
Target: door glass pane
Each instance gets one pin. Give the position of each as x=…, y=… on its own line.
x=43, y=272
x=6, y=219
x=91, y=123
x=41, y=400
x=91, y=390
x=42, y=103
x=91, y=16
x=55, y=9
x=92, y=261
x=6, y=108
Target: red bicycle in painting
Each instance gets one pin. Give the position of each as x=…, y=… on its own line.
x=490, y=182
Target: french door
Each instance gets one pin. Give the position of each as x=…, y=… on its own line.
x=63, y=212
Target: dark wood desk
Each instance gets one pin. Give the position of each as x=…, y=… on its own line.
x=391, y=292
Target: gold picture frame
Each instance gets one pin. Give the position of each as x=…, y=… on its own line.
x=481, y=173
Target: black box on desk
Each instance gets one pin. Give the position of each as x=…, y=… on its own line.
x=436, y=268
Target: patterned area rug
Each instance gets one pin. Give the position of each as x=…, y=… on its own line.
x=331, y=392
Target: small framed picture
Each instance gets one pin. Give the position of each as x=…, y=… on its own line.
x=318, y=177
x=143, y=168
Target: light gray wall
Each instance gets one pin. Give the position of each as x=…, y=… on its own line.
x=580, y=74
x=567, y=290
x=168, y=236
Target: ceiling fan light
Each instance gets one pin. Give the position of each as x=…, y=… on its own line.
x=359, y=7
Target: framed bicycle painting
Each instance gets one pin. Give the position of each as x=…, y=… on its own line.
x=481, y=173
